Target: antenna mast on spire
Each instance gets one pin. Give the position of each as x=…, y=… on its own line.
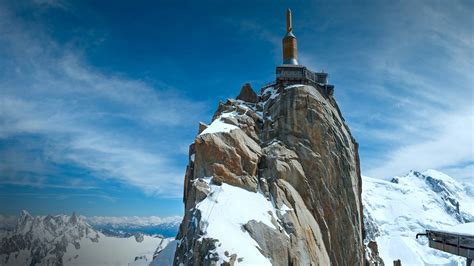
x=290, y=51
x=289, y=26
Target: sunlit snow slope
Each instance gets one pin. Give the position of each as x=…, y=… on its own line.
x=111, y=250
x=395, y=211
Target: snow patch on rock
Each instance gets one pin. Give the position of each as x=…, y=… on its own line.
x=166, y=256
x=218, y=125
x=225, y=211
x=294, y=86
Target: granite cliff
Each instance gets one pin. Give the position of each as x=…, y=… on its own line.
x=274, y=179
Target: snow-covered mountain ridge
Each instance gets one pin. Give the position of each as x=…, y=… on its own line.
x=395, y=211
x=129, y=225
x=65, y=240
x=116, y=225
x=133, y=221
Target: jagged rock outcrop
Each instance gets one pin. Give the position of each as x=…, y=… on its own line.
x=372, y=254
x=247, y=94
x=292, y=154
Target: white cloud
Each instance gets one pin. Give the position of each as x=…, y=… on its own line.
x=463, y=172
x=438, y=99
x=436, y=117
x=451, y=143
x=115, y=126
x=137, y=221
x=410, y=99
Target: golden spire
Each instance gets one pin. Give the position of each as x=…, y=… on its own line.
x=290, y=51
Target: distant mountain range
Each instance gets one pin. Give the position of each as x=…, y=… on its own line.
x=129, y=225
x=122, y=226
x=66, y=240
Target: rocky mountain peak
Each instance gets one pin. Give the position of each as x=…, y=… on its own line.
x=247, y=94
x=25, y=213
x=24, y=219
x=74, y=218
x=446, y=188
x=273, y=180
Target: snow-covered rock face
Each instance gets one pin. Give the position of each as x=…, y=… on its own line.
x=63, y=239
x=274, y=180
x=166, y=255
x=48, y=228
x=395, y=211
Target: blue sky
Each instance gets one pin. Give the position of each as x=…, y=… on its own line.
x=99, y=101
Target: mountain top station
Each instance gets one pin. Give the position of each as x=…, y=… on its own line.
x=291, y=73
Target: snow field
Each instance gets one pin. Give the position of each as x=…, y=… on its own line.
x=226, y=210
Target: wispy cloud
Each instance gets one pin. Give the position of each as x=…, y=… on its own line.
x=410, y=98
x=450, y=144
x=116, y=127
x=50, y=3
x=43, y=184
x=62, y=196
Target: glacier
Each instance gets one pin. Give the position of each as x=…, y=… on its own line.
x=396, y=210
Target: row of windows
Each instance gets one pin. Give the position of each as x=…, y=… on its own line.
x=302, y=73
